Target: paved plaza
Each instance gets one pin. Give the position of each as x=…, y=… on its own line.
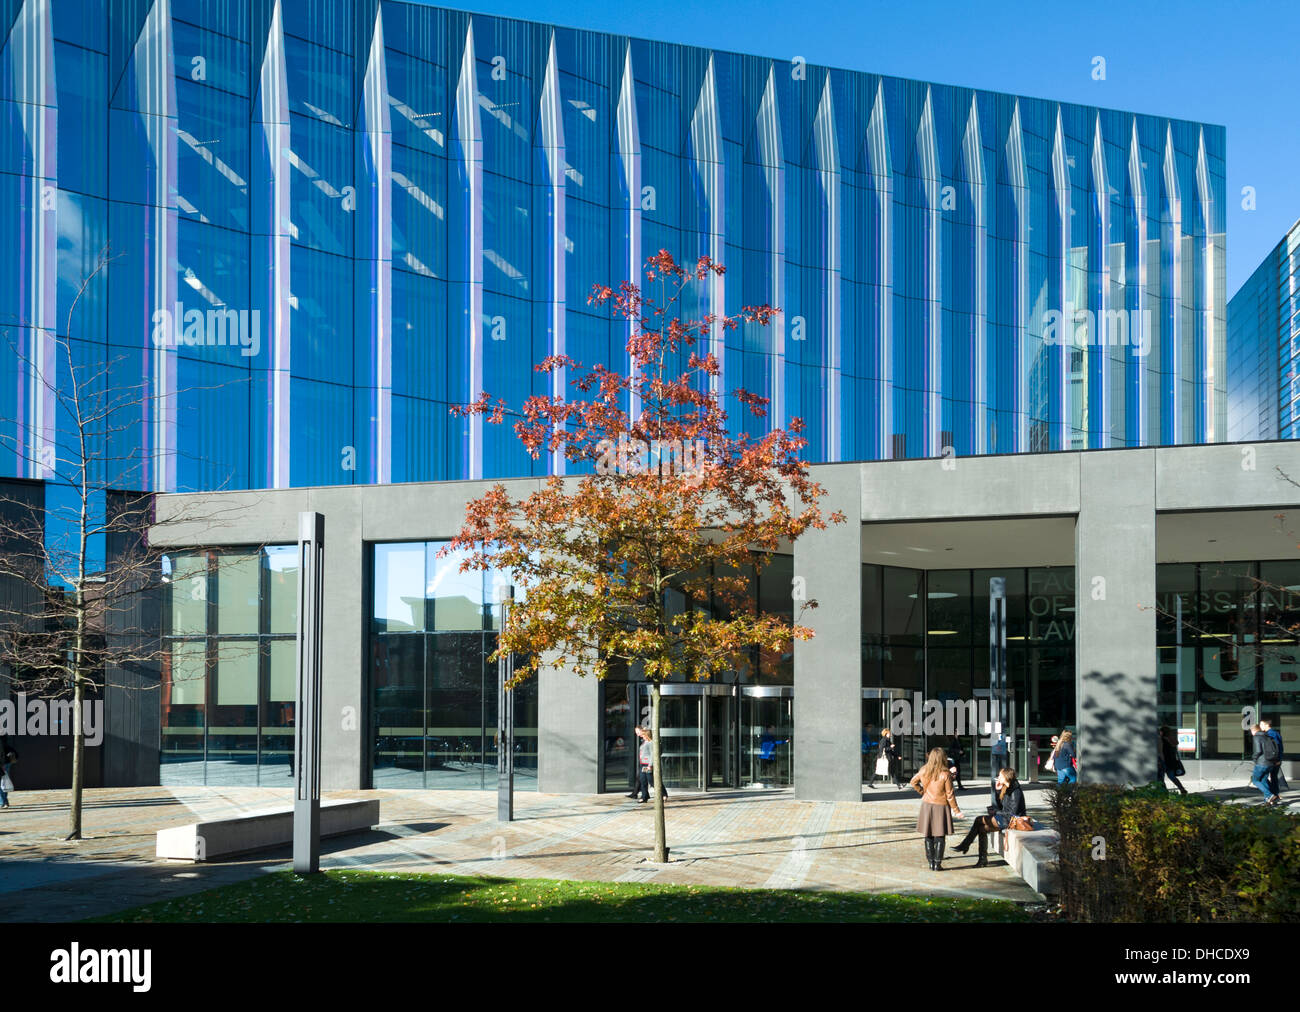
x=720, y=838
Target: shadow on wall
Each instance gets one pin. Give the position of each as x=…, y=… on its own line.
x=1116, y=729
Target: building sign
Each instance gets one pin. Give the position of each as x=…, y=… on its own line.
x=1187, y=739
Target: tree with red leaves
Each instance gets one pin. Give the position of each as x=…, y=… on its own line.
x=661, y=497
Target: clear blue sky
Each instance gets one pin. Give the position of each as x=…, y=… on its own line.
x=1231, y=64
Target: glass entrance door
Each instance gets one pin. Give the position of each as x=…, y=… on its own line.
x=767, y=736
x=698, y=725
x=722, y=740
x=877, y=714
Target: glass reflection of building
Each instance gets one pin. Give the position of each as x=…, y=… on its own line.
x=433, y=690
x=228, y=677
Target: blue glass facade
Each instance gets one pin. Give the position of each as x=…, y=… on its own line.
x=1264, y=347
x=333, y=220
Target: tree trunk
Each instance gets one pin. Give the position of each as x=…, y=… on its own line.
x=661, y=836
x=78, y=754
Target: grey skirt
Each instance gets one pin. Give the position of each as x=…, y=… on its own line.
x=934, y=820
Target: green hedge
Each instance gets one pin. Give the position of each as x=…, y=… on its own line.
x=1174, y=858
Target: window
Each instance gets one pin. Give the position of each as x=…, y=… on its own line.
x=229, y=678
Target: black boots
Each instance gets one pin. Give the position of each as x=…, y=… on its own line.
x=964, y=846
x=983, y=861
x=929, y=851
x=934, y=852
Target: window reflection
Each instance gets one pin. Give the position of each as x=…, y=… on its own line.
x=229, y=672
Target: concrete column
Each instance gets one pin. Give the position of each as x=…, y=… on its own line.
x=1115, y=621
x=828, y=667
x=343, y=671
x=568, y=732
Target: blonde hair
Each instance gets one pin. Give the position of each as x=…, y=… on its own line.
x=936, y=765
x=1067, y=736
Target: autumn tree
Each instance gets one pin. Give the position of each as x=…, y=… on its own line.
x=661, y=495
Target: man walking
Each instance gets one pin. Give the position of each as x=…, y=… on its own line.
x=1275, y=776
x=1265, y=758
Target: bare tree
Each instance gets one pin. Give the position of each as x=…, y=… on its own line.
x=79, y=576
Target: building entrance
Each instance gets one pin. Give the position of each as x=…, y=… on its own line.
x=713, y=736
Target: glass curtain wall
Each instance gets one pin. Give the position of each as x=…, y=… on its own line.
x=228, y=673
x=1228, y=652
x=925, y=636
x=433, y=691
x=347, y=179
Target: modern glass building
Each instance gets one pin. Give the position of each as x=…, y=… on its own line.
x=333, y=219
x=1264, y=347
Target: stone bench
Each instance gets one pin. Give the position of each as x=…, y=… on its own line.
x=1033, y=855
x=268, y=827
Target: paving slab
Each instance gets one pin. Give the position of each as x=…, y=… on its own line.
x=719, y=838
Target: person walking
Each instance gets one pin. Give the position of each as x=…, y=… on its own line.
x=1011, y=805
x=938, y=805
x=7, y=758
x=893, y=753
x=1264, y=758
x=1167, y=762
x=1276, y=781
x=646, y=757
x=1064, y=758
x=955, y=755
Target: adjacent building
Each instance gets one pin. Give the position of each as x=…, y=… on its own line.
x=1264, y=347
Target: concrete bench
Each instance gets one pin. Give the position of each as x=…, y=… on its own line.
x=269, y=827
x=1033, y=855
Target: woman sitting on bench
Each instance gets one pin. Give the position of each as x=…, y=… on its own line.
x=1012, y=805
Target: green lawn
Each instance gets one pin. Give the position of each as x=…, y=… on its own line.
x=382, y=896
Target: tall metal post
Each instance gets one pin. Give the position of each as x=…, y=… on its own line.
x=505, y=724
x=306, y=767
x=998, y=680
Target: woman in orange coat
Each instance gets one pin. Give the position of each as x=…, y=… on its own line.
x=938, y=805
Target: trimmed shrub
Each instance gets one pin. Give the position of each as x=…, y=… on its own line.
x=1146, y=855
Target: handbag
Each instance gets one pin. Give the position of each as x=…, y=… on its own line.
x=6, y=784
x=1050, y=765
x=882, y=767
x=1020, y=824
